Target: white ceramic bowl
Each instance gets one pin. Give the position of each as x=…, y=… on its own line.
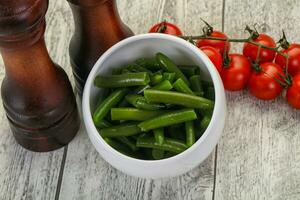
x=181, y=52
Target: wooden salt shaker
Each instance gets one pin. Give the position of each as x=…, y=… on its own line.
x=37, y=95
x=97, y=27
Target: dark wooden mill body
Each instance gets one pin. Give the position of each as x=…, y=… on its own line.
x=37, y=95
x=97, y=27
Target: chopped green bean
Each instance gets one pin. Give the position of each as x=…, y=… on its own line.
x=164, y=85
x=128, y=142
x=190, y=133
x=210, y=93
x=204, y=123
x=167, y=64
x=107, y=104
x=133, y=114
x=196, y=85
x=140, y=102
x=158, y=154
x=137, y=68
x=156, y=78
x=181, y=86
x=189, y=70
x=121, y=130
x=159, y=135
x=104, y=124
x=123, y=80
x=177, y=98
x=120, y=147
x=167, y=119
x=149, y=63
x=140, y=89
x=169, y=76
x=168, y=145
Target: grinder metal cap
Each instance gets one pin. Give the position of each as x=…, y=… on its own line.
x=18, y=16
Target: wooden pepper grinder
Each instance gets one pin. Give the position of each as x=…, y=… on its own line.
x=97, y=27
x=37, y=95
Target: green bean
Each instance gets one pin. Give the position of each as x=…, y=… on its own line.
x=158, y=154
x=181, y=86
x=204, y=123
x=133, y=114
x=120, y=147
x=156, y=78
x=159, y=138
x=189, y=70
x=128, y=142
x=104, y=124
x=167, y=64
x=159, y=135
x=137, y=68
x=190, y=133
x=121, y=130
x=104, y=108
x=149, y=63
x=196, y=85
x=140, y=102
x=167, y=119
x=169, y=76
x=169, y=97
x=210, y=93
x=168, y=145
x=164, y=85
x=123, y=80
x=140, y=89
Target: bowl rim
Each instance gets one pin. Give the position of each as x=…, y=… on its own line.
x=87, y=114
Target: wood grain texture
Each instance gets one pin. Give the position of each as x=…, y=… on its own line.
x=259, y=154
x=25, y=174
x=88, y=176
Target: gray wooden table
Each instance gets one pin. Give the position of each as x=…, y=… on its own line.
x=258, y=156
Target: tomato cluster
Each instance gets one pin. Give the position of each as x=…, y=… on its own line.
x=263, y=71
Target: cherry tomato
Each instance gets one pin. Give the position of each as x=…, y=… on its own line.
x=293, y=51
x=293, y=92
x=266, y=55
x=219, y=45
x=264, y=84
x=214, y=56
x=236, y=75
x=167, y=28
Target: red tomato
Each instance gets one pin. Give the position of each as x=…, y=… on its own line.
x=293, y=92
x=219, y=45
x=263, y=84
x=293, y=51
x=236, y=75
x=214, y=56
x=167, y=28
x=266, y=55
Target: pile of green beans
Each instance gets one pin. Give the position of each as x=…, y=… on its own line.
x=153, y=109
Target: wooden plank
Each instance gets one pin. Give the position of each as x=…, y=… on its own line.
x=88, y=176
x=24, y=174
x=259, y=154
